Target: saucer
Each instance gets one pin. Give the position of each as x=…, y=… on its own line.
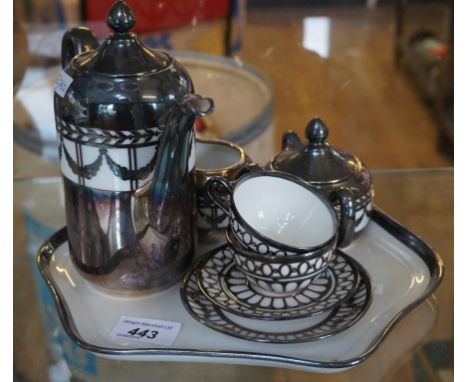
x=312, y=327
x=228, y=288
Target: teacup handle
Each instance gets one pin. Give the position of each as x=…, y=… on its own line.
x=347, y=221
x=212, y=189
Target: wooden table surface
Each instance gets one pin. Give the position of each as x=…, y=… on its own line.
x=370, y=106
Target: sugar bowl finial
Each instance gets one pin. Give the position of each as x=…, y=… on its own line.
x=120, y=17
x=316, y=132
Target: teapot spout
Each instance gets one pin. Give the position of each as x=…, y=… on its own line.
x=167, y=202
x=172, y=182
x=164, y=211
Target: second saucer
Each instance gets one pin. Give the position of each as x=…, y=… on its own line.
x=228, y=288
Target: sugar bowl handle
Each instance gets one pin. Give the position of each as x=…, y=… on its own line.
x=347, y=221
x=290, y=140
x=219, y=191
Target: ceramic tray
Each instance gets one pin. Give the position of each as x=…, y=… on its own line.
x=403, y=269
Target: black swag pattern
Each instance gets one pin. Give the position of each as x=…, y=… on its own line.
x=89, y=171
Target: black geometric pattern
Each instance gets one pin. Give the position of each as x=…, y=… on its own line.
x=340, y=318
x=228, y=288
x=213, y=216
x=253, y=243
x=272, y=268
x=363, y=200
x=362, y=215
x=99, y=137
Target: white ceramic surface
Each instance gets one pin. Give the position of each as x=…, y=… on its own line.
x=399, y=275
x=284, y=211
x=215, y=156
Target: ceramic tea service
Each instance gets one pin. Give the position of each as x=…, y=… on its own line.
x=216, y=158
x=138, y=185
x=280, y=260
x=330, y=171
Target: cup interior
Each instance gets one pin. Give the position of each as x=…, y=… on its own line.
x=215, y=156
x=284, y=211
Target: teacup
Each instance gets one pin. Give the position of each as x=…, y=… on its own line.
x=276, y=214
x=215, y=157
x=278, y=276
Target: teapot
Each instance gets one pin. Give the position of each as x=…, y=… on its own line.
x=125, y=117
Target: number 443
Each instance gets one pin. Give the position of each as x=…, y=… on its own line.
x=143, y=333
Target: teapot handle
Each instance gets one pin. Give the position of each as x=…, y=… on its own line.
x=347, y=220
x=76, y=41
x=213, y=186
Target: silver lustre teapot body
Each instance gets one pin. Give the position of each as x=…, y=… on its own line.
x=124, y=116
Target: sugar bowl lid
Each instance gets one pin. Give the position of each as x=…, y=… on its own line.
x=315, y=161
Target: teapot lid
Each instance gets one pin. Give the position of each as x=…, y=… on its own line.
x=122, y=53
x=315, y=161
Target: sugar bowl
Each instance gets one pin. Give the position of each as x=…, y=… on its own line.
x=330, y=171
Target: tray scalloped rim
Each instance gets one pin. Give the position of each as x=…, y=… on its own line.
x=430, y=258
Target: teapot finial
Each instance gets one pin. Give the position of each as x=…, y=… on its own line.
x=120, y=17
x=316, y=132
